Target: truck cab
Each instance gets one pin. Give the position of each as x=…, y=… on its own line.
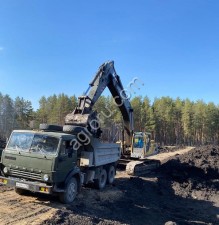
x=48, y=162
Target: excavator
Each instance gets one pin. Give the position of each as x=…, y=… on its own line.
x=84, y=121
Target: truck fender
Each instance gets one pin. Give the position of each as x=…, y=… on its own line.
x=76, y=172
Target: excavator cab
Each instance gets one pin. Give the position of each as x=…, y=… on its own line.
x=142, y=145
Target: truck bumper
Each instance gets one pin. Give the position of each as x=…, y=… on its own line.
x=27, y=185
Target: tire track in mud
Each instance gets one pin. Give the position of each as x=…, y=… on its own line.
x=25, y=210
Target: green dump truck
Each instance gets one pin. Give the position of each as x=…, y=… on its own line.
x=53, y=162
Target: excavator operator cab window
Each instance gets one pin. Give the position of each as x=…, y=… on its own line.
x=138, y=142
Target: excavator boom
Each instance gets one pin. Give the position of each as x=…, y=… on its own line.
x=84, y=115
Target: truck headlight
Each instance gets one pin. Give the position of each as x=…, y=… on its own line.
x=5, y=170
x=46, y=177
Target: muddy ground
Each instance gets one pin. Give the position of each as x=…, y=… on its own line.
x=185, y=190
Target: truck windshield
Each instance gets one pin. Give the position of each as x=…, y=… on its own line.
x=29, y=142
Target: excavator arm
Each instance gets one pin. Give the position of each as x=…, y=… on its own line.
x=84, y=115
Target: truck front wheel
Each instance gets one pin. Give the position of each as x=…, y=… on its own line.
x=100, y=183
x=70, y=193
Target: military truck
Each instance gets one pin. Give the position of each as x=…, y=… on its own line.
x=58, y=160
x=51, y=161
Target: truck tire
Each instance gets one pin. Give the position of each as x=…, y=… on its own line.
x=100, y=183
x=20, y=191
x=111, y=175
x=72, y=129
x=70, y=193
x=49, y=127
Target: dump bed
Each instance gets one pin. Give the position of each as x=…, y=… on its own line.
x=101, y=154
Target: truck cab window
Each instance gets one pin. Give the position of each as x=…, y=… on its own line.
x=66, y=148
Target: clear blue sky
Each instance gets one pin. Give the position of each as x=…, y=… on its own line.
x=49, y=46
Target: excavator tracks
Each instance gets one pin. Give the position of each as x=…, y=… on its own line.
x=147, y=165
x=138, y=168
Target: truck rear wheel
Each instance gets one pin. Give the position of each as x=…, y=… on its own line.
x=111, y=175
x=71, y=191
x=100, y=183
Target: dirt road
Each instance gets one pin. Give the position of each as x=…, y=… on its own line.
x=15, y=209
x=185, y=190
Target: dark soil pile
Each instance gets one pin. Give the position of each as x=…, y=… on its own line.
x=196, y=171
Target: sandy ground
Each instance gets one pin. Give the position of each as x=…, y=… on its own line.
x=15, y=209
x=184, y=190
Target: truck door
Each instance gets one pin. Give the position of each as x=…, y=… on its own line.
x=67, y=159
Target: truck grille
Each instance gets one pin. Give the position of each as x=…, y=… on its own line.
x=26, y=175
